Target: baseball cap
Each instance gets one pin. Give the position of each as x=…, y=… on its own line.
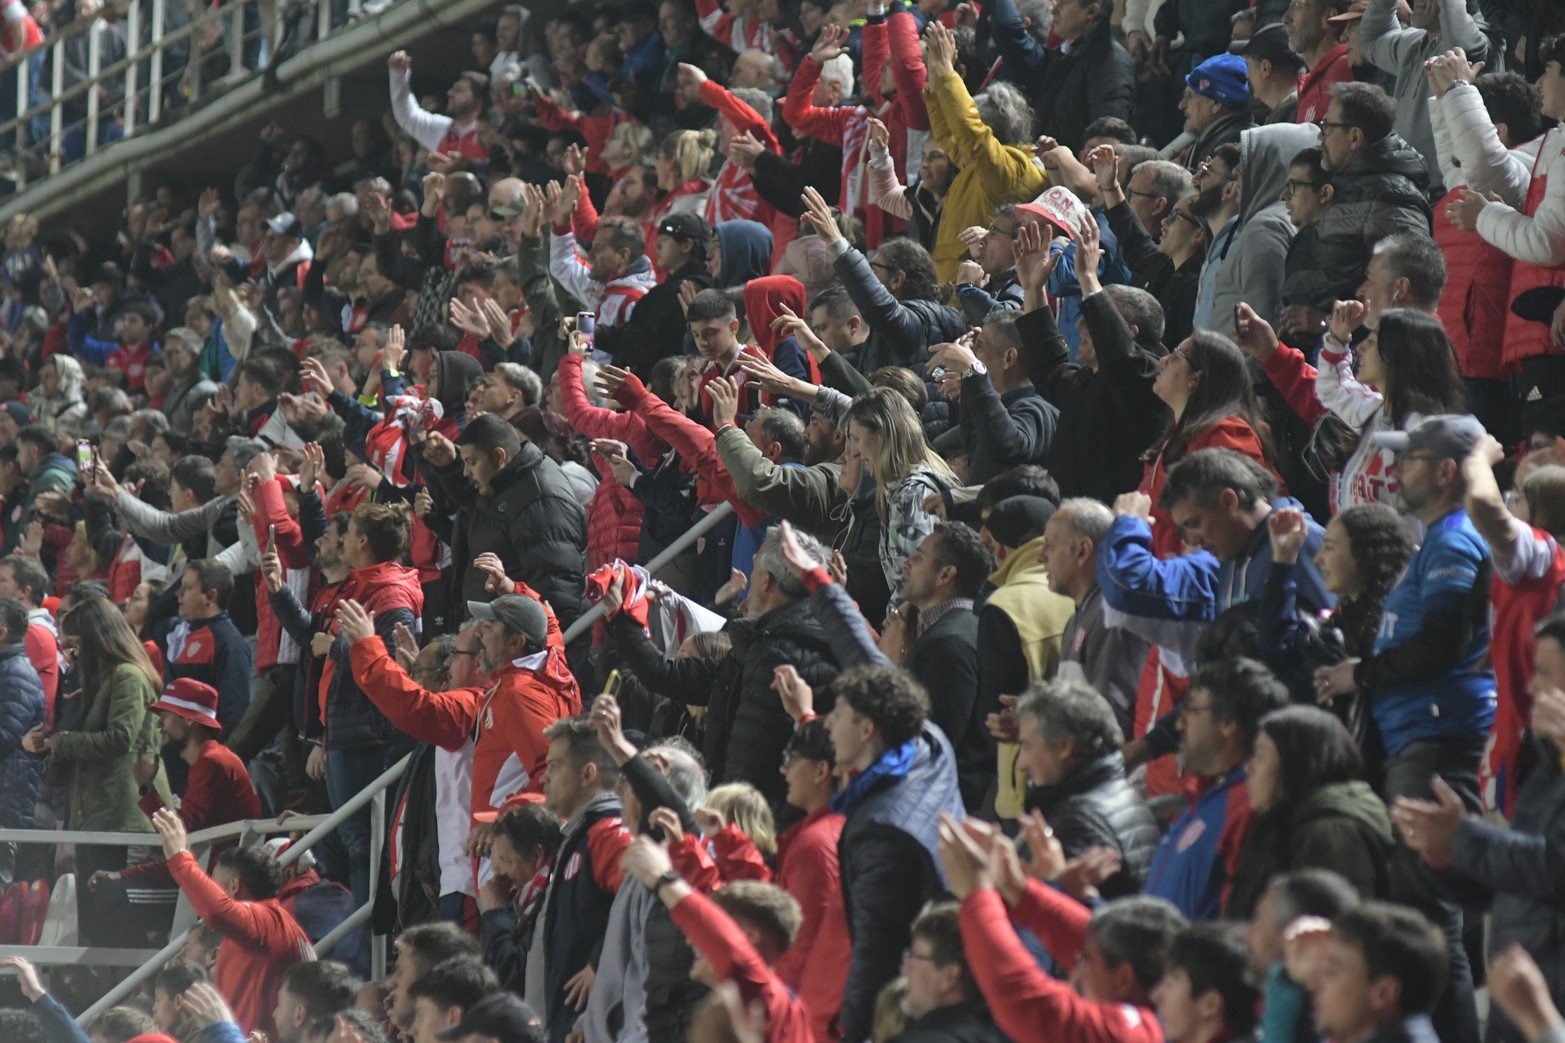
x=1060, y=207
x=1448, y=436
x=285, y=224
x=1269, y=44
x=685, y=227
x=520, y=614
x=512, y=206
x=195, y=701
x=19, y=412
x=502, y=1016
x=1223, y=79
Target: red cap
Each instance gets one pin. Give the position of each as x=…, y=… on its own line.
x=193, y=700
x=153, y=1037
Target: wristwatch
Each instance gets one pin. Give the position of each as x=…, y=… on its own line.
x=665, y=878
x=976, y=369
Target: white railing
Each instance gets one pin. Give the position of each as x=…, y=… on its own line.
x=165, y=72
x=151, y=961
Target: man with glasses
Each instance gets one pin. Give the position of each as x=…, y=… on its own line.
x=1381, y=187
x=1216, y=106
x=942, y=1002
x=989, y=281
x=1433, y=693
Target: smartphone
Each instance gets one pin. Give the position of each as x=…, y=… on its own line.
x=83, y=456
x=271, y=537
x=612, y=686
x=587, y=326
x=752, y=397
x=1240, y=326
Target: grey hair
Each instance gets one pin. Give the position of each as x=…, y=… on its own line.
x=839, y=70
x=774, y=65
x=757, y=99
x=189, y=337
x=1169, y=180
x=243, y=449
x=522, y=379
x=589, y=382
x=347, y=202
x=1076, y=711
x=1040, y=13
x=769, y=559
x=1088, y=518
x=446, y=644
x=150, y=421
x=686, y=773
x=1006, y=111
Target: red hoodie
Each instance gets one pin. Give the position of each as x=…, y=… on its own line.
x=260, y=941
x=379, y=588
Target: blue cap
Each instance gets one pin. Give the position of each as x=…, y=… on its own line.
x=1221, y=78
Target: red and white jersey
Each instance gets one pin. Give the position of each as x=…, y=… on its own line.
x=21, y=32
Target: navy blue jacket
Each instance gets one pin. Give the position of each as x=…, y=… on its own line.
x=21, y=710
x=215, y=652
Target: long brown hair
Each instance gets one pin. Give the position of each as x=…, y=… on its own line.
x=107, y=643
x=1225, y=390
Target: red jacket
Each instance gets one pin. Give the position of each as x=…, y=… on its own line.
x=1315, y=84
x=1232, y=432
x=380, y=588
x=807, y=868
x=1026, y=1002
x=260, y=941
x=727, y=855
x=218, y=791
x=43, y=651
x=695, y=444
x=715, y=936
x=1476, y=300
x=613, y=519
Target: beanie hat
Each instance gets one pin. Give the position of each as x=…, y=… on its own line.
x=1222, y=79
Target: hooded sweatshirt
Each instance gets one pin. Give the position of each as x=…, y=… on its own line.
x=65, y=410
x=457, y=372
x=764, y=299
x=746, y=250
x=1258, y=254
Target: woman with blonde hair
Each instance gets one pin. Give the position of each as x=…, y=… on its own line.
x=103, y=764
x=740, y=806
x=885, y=434
x=684, y=166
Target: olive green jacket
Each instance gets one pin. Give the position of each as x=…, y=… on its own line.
x=95, y=763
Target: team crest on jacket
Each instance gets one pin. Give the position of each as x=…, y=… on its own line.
x=1191, y=834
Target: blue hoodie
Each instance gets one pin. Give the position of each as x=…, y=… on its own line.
x=747, y=252
x=1179, y=596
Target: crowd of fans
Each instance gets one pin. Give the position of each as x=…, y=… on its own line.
x=862, y=522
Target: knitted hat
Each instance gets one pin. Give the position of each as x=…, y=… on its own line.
x=1221, y=78
x=1015, y=521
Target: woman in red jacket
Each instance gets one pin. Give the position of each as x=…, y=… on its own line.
x=1206, y=383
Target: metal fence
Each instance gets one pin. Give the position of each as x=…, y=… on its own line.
x=150, y=961
x=97, y=81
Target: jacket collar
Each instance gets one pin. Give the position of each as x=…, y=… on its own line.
x=1020, y=562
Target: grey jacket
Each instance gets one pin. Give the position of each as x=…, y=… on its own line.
x=1258, y=255
x=1402, y=53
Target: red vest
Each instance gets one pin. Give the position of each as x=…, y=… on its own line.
x=1477, y=296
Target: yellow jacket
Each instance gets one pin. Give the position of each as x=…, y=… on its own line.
x=990, y=172
x=1039, y=615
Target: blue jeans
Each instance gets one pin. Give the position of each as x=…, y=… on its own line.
x=347, y=772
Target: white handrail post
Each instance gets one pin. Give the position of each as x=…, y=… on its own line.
x=155, y=80
x=322, y=19
x=377, y=848
x=94, y=57
x=236, y=39
x=24, y=102
x=57, y=108
x=133, y=50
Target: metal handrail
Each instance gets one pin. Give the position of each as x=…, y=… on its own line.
x=327, y=824
x=237, y=828
x=140, y=104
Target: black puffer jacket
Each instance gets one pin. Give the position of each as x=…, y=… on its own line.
x=900, y=332
x=530, y=520
x=1382, y=191
x=1342, y=826
x=1108, y=416
x=1095, y=78
x=656, y=328
x=1095, y=805
x=21, y=710
x=746, y=728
